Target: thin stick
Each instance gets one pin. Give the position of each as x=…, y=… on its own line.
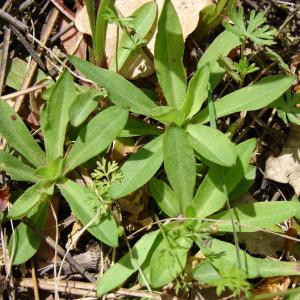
x=55, y=250
x=5, y=49
x=63, y=9
x=11, y=20
x=33, y=65
x=89, y=289
x=62, y=32
x=7, y=5
x=34, y=280
x=28, y=47
x=25, y=91
x=25, y=5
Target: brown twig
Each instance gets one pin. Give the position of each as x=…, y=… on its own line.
x=7, y=4
x=62, y=32
x=25, y=91
x=33, y=65
x=13, y=21
x=89, y=289
x=34, y=281
x=5, y=49
x=23, y=6
x=63, y=9
x=28, y=47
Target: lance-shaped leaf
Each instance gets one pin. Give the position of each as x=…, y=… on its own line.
x=222, y=45
x=257, y=215
x=168, y=260
x=168, y=55
x=120, y=91
x=138, y=128
x=165, y=197
x=139, y=169
x=86, y=206
x=84, y=104
x=210, y=196
x=15, y=168
x=142, y=22
x=100, y=30
x=127, y=265
x=17, y=135
x=30, y=198
x=212, y=144
x=225, y=256
x=197, y=92
x=96, y=136
x=24, y=243
x=56, y=118
x=253, y=97
x=168, y=115
x=180, y=164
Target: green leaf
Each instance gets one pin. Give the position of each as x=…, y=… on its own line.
x=256, y=215
x=24, y=243
x=96, y=136
x=127, y=265
x=84, y=104
x=180, y=164
x=16, y=68
x=196, y=92
x=17, y=135
x=99, y=37
x=212, y=144
x=165, y=197
x=85, y=205
x=142, y=22
x=91, y=14
x=139, y=169
x=253, y=97
x=222, y=45
x=168, y=115
x=56, y=117
x=259, y=35
x=225, y=254
x=210, y=17
x=168, y=260
x=168, y=55
x=245, y=183
x=29, y=199
x=138, y=128
x=120, y=91
x=210, y=196
x=15, y=168
x=52, y=171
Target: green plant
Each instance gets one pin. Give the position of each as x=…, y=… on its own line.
x=49, y=169
x=185, y=140
x=196, y=208
x=253, y=30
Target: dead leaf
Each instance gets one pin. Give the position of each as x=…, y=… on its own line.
x=135, y=207
x=82, y=21
x=123, y=147
x=73, y=237
x=286, y=167
x=188, y=12
x=263, y=243
x=73, y=41
x=4, y=198
x=273, y=285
